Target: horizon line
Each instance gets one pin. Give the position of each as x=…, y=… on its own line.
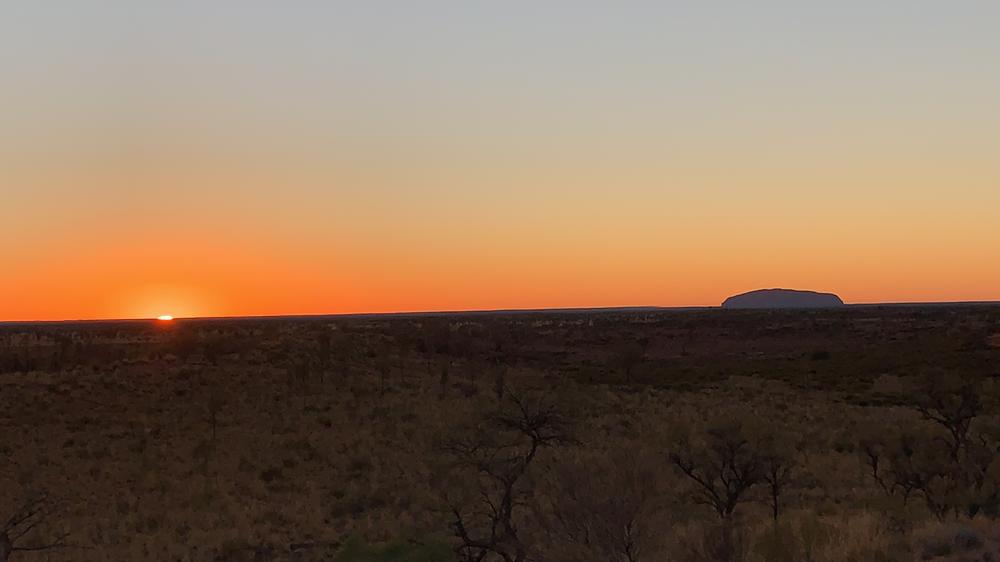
x=484, y=311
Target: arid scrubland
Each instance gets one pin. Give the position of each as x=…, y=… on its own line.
x=857, y=434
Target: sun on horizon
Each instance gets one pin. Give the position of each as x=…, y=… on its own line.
x=165, y=318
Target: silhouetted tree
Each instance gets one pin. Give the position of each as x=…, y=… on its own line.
x=723, y=462
x=948, y=462
x=778, y=461
x=951, y=402
x=908, y=463
x=497, y=456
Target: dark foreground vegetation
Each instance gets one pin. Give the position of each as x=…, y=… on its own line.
x=856, y=434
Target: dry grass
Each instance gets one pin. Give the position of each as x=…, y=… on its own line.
x=121, y=430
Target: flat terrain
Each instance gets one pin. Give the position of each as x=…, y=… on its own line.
x=307, y=438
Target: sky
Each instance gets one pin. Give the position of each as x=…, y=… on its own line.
x=247, y=157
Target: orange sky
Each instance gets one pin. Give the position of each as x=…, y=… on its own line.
x=177, y=159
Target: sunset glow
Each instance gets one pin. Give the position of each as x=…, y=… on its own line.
x=165, y=318
x=329, y=159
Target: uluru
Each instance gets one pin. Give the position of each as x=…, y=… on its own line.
x=783, y=298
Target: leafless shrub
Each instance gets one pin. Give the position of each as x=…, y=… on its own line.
x=949, y=463
x=778, y=460
x=721, y=462
x=495, y=459
x=24, y=529
x=951, y=402
x=604, y=507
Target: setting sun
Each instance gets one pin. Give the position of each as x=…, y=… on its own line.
x=165, y=318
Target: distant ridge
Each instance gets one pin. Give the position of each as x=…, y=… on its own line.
x=783, y=298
